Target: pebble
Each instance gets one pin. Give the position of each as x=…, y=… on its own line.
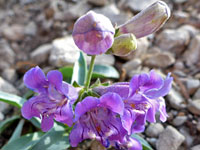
x=154, y=130
x=169, y=139
x=132, y=65
x=179, y=120
x=192, y=85
x=194, y=106
x=98, y=2
x=41, y=54
x=175, y=99
x=10, y=75
x=197, y=94
x=31, y=29
x=161, y=60
x=5, y=86
x=173, y=40
x=191, y=55
x=188, y=138
x=196, y=147
x=198, y=126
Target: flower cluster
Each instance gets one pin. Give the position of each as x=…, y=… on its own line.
x=114, y=112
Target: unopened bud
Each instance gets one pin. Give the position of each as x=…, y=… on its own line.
x=123, y=45
x=147, y=21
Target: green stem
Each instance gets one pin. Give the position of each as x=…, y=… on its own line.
x=89, y=75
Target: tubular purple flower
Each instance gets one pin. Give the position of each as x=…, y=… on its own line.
x=96, y=118
x=93, y=33
x=54, y=101
x=147, y=21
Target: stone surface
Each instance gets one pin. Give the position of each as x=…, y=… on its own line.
x=192, y=85
x=14, y=32
x=41, y=54
x=10, y=75
x=188, y=137
x=179, y=120
x=169, y=139
x=7, y=56
x=154, y=130
x=161, y=60
x=102, y=59
x=196, y=147
x=5, y=86
x=31, y=29
x=197, y=94
x=175, y=99
x=194, y=106
x=98, y=2
x=173, y=40
x=132, y=65
x=192, y=54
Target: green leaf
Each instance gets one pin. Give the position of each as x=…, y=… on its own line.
x=12, y=99
x=80, y=70
x=145, y=144
x=36, y=122
x=4, y=124
x=17, y=132
x=24, y=143
x=105, y=71
x=67, y=73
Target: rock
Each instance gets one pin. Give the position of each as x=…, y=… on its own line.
x=7, y=56
x=31, y=29
x=173, y=40
x=175, y=99
x=14, y=32
x=198, y=126
x=161, y=60
x=197, y=94
x=152, y=141
x=190, y=29
x=192, y=54
x=179, y=120
x=102, y=59
x=192, y=85
x=188, y=138
x=196, y=147
x=154, y=130
x=194, y=106
x=5, y=86
x=179, y=1
x=98, y=2
x=137, y=5
x=169, y=139
x=142, y=46
x=132, y=65
x=113, y=13
x=10, y=75
x=41, y=54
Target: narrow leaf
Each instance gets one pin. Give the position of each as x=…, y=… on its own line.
x=145, y=144
x=105, y=71
x=80, y=70
x=17, y=132
x=4, y=124
x=36, y=122
x=67, y=73
x=12, y=99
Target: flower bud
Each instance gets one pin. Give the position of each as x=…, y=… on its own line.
x=123, y=45
x=93, y=33
x=147, y=21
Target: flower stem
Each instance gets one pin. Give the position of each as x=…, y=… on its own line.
x=89, y=75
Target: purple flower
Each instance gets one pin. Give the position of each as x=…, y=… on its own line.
x=143, y=97
x=54, y=99
x=93, y=33
x=98, y=118
x=147, y=21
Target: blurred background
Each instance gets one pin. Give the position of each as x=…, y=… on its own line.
x=38, y=32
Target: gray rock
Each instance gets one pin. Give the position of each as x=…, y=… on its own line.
x=180, y=1
x=196, y=147
x=102, y=59
x=10, y=75
x=5, y=86
x=14, y=32
x=190, y=29
x=113, y=13
x=198, y=126
x=169, y=139
x=179, y=120
x=161, y=60
x=41, y=54
x=154, y=130
x=173, y=40
x=98, y=2
x=188, y=138
x=197, y=94
x=175, y=99
x=192, y=54
x=132, y=65
x=194, y=106
x=192, y=85
x=137, y=5
x=31, y=29
x=7, y=56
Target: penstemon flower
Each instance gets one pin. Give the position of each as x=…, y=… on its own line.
x=54, y=99
x=147, y=21
x=97, y=118
x=93, y=33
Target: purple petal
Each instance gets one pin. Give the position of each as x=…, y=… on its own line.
x=55, y=78
x=152, y=111
x=85, y=105
x=70, y=92
x=54, y=94
x=127, y=120
x=64, y=114
x=164, y=90
x=35, y=79
x=134, y=144
x=47, y=123
x=162, y=109
x=75, y=136
x=113, y=102
x=140, y=120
